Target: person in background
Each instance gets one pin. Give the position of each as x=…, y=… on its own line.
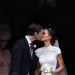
x=5, y=56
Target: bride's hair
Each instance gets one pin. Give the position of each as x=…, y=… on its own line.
x=53, y=34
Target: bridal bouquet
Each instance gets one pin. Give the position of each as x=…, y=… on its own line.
x=46, y=69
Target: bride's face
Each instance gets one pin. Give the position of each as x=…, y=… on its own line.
x=46, y=36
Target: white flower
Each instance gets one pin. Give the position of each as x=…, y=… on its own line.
x=34, y=46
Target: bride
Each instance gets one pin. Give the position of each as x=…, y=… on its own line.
x=49, y=56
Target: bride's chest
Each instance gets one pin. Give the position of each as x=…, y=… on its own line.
x=48, y=56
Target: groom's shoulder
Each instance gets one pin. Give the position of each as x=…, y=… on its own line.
x=20, y=41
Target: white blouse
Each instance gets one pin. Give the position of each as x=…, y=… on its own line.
x=48, y=57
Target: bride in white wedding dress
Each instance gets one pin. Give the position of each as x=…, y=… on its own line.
x=49, y=56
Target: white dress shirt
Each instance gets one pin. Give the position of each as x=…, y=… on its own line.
x=29, y=42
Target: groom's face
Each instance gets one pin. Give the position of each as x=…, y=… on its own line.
x=39, y=35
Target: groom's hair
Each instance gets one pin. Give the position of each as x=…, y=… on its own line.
x=34, y=27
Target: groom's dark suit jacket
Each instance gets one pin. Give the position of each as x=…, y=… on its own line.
x=21, y=61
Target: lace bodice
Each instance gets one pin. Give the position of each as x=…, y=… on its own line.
x=48, y=56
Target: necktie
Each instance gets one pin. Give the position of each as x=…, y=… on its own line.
x=31, y=50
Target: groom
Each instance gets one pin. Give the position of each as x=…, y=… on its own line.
x=23, y=56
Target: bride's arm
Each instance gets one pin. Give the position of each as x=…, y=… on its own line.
x=37, y=72
x=60, y=63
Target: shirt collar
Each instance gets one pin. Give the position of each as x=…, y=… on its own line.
x=29, y=41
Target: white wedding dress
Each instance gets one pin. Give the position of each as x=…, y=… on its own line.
x=47, y=58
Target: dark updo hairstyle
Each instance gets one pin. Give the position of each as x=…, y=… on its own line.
x=53, y=34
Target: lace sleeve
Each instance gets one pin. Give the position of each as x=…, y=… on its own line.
x=58, y=51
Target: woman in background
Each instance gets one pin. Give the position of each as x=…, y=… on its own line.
x=5, y=56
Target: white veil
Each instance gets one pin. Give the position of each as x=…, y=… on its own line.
x=64, y=72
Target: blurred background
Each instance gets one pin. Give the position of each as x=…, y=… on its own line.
x=56, y=14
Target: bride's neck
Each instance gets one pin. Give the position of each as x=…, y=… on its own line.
x=47, y=43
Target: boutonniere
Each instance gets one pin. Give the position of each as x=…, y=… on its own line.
x=34, y=45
